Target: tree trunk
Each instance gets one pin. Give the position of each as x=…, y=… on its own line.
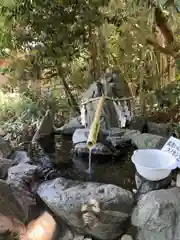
x=69, y=95
x=165, y=55
x=94, y=66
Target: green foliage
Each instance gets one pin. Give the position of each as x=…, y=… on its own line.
x=72, y=42
x=24, y=111
x=170, y=96
x=57, y=30
x=57, y=35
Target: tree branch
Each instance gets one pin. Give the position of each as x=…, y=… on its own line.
x=161, y=22
x=164, y=50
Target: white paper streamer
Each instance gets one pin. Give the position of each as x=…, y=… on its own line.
x=83, y=115
x=120, y=113
x=117, y=110
x=127, y=111
x=123, y=122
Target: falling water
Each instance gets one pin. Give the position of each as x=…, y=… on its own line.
x=89, y=170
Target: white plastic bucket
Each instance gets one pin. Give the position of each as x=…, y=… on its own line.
x=153, y=164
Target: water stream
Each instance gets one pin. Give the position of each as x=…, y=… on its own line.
x=89, y=170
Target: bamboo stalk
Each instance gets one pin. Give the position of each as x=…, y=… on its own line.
x=95, y=127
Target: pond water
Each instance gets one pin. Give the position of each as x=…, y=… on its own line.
x=119, y=171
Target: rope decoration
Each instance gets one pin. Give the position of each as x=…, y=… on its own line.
x=107, y=98
x=123, y=111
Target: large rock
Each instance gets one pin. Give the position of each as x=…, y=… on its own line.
x=69, y=128
x=98, y=149
x=20, y=157
x=5, y=148
x=125, y=135
x=161, y=129
x=44, y=135
x=5, y=164
x=114, y=86
x=112, y=142
x=10, y=205
x=20, y=179
x=126, y=237
x=131, y=134
x=95, y=209
x=2, y=133
x=21, y=173
x=80, y=138
x=147, y=140
x=46, y=126
x=144, y=186
x=138, y=123
x=67, y=234
x=157, y=215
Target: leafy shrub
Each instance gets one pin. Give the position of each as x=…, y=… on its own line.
x=21, y=113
